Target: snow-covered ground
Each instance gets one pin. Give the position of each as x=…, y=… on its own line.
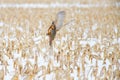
x=70, y=58
x=57, y=5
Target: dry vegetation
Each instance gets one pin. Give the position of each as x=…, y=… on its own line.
x=23, y=44
x=60, y=1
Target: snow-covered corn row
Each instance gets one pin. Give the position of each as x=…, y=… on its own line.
x=86, y=49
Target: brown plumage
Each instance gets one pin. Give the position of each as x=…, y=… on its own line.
x=55, y=26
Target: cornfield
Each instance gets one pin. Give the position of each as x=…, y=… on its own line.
x=86, y=49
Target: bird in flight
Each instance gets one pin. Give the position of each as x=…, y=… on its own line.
x=56, y=26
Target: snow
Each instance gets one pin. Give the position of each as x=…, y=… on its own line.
x=91, y=42
x=1, y=24
x=41, y=60
x=94, y=27
x=44, y=50
x=54, y=5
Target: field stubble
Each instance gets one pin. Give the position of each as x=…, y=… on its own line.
x=88, y=48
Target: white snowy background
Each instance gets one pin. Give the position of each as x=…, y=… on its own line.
x=85, y=49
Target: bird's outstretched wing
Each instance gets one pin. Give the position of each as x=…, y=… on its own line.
x=59, y=19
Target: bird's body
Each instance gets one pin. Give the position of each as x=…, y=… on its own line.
x=51, y=33
x=56, y=25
